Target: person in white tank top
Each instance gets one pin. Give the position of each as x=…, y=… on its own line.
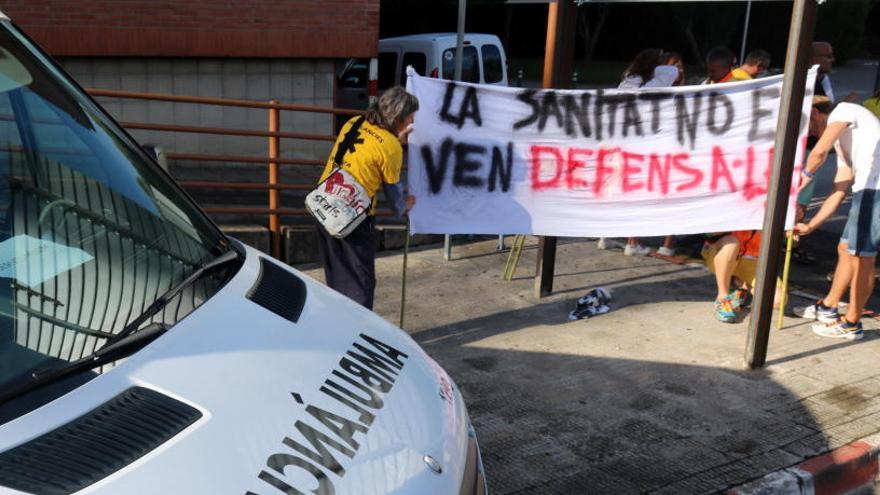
x=854, y=133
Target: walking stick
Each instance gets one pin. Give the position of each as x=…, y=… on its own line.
x=785, y=268
x=403, y=276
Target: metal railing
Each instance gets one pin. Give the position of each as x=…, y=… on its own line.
x=273, y=161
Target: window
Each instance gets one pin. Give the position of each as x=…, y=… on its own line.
x=387, y=68
x=356, y=74
x=417, y=60
x=470, y=64
x=91, y=232
x=493, y=70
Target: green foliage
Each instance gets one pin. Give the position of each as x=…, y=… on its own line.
x=842, y=23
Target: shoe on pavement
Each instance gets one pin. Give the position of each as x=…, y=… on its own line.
x=841, y=329
x=740, y=298
x=636, y=250
x=818, y=311
x=665, y=251
x=724, y=311
x=606, y=243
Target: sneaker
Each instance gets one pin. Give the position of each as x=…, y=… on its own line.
x=605, y=243
x=818, y=311
x=724, y=311
x=665, y=251
x=740, y=298
x=636, y=250
x=840, y=329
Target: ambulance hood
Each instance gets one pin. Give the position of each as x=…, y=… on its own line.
x=329, y=399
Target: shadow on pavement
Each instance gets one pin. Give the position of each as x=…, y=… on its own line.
x=578, y=423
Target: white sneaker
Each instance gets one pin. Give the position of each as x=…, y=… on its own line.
x=606, y=243
x=817, y=311
x=636, y=250
x=839, y=330
x=665, y=251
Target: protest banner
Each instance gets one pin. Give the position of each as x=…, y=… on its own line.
x=612, y=163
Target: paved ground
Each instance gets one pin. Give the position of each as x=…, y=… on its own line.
x=649, y=397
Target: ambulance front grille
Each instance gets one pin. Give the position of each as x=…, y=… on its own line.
x=279, y=291
x=94, y=446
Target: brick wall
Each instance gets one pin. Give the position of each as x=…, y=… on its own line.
x=200, y=28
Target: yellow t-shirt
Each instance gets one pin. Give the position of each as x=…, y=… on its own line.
x=377, y=157
x=873, y=104
x=740, y=75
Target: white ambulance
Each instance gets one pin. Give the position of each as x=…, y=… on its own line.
x=143, y=352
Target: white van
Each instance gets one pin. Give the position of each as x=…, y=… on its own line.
x=144, y=352
x=431, y=54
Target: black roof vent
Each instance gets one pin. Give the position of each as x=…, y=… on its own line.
x=279, y=291
x=94, y=446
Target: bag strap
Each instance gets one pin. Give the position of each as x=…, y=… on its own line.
x=348, y=141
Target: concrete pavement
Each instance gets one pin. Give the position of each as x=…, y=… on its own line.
x=651, y=397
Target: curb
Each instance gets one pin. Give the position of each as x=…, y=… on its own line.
x=840, y=471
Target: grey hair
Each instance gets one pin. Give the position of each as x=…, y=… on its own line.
x=392, y=108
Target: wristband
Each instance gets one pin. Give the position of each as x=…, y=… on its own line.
x=806, y=173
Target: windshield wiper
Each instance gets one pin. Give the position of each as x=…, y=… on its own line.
x=125, y=343
x=106, y=354
x=228, y=256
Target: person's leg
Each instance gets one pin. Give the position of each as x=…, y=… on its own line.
x=861, y=237
x=634, y=248
x=724, y=263
x=349, y=263
x=843, y=275
x=860, y=290
x=326, y=248
x=360, y=252
x=668, y=247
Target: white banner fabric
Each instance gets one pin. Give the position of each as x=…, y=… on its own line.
x=586, y=163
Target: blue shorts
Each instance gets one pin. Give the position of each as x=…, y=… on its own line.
x=862, y=230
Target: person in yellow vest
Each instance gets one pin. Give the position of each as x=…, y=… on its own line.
x=374, y=158
x=756, y=64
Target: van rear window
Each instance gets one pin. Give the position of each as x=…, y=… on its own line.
x=417, y=60
x=387, y=67
x=470, y=64
x=493, y=71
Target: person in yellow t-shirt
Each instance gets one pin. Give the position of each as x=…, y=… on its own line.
x=374, y=158
x=873, y=104
x=757, y=62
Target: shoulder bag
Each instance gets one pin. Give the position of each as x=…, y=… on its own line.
x=339, y=203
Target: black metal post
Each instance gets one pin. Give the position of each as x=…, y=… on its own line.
x=797, y=59
x=558, y=62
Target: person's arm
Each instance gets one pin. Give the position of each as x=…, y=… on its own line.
x=396, y=198
x=820, y=151
x=842, y=182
